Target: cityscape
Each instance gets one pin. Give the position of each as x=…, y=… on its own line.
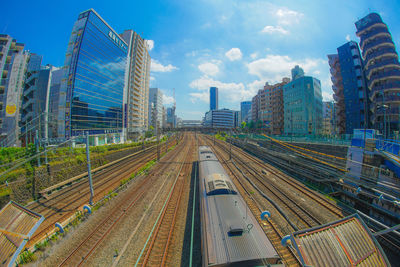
x=115, y=154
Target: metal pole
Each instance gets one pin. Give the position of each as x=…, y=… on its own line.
x=37, y=146
x=89, y=169
x=158, y=144
x=230, y=149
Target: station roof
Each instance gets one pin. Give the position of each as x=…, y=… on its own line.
x=17, y=224
x=347, y=242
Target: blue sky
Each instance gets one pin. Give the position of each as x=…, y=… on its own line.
x=234, y=45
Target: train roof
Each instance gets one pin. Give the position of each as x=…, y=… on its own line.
x=205, y=153
x=224, y=245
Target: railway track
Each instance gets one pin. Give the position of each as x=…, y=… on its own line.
x=87, y=247
x=288, y=256
x=296, y=185
x=155, y=252
x=64, y=203
x=299, y=215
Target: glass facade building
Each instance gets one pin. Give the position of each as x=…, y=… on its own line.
x=245, y=108
x=302, y=101
x=92, y=95
x=213, y=98
x=224, y=118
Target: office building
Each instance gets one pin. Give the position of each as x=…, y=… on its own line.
x=221, y=118
x=352, y=93
x=213, y=98
x=302, y=101
x=138, y=84
x=92, y=95
x=164, y=117
x=155, y=108
x=328, y=118
x=382, y=70
x=13, y=65
x=171, y=117
x=245, y=108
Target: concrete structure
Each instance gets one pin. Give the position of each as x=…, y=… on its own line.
x=35, y=115
x=274, y=107
x=13, y=65
x=245, y=108
x=302, y=105
x=138, y=84
x=328, y=118
x=213, y=98
x=348, y=75
x=191, y=123
x=338, y=96
x=220, y=118
x=237, y=119
x=255, y=104
x=382, y=70
x=155, y=108
x=92, y=96
x=164, y=117
x=57, y=75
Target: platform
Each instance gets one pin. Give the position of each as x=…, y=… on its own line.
x=17, y=225
x=346, y=242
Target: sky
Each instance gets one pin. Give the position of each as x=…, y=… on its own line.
x=235, y=45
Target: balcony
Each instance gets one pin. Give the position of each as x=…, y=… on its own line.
x=377, y=40
x=368, y=35
x=378, y=53
x=376, y=47
x=395, y=73
x=387, y=63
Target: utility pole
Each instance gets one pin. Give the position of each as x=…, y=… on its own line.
x=291, y=126
x=37, y=147
x=230, y=148
x=89, y=169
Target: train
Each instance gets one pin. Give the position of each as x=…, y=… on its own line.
x=230, y=234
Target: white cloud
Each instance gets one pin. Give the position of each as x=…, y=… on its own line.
x=286, y=16
x=273, y=68
x=152, y=78
x=209, y=68
x=158, y=67
x=327, y=96
x=167, y=100
x=274, y=29
x=348, y=37
x=234, y=54
x=230, y=92
x=150, y=44
x=254, y=55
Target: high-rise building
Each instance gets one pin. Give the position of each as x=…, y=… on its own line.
x=171, y=117
x=13, y=65
x=245, y=108
x=338, y=95
x=164, y=116
x=354, y=96
x=92, y=95
x=274, y=106
x=302, y=101
x=382, y=70
x=138, y=84
x=213, y=98
x=224, y=118
x=328, y=118
x=155, y=108
x=255, y=104
x=35, y=115
x=57, y=75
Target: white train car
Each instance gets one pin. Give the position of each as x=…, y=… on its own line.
x=231, y=235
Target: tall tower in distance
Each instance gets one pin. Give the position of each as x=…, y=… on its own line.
x=382, y=70
x=213, y=98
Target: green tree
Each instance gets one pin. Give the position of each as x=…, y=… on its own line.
x=243, y=125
